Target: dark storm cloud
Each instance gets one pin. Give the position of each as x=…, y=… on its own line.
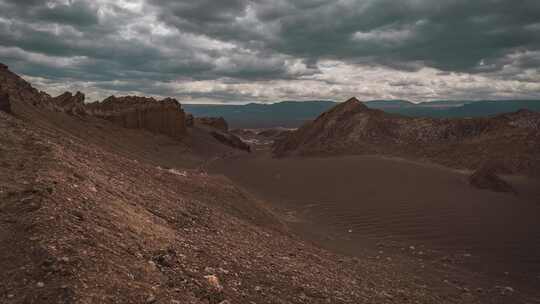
x=75, y=13
x=448, y=35
x=159, y=41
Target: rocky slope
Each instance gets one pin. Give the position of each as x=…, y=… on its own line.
x=351, y=128
x=88, y=215
x=164, y=117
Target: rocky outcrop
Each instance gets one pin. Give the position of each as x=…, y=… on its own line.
x=230, y=140
x=352, y=128
x=487, y=178
x=218, y=123
x=69, y=103
x=158, y=116
x=5, y=105
x=18, y=89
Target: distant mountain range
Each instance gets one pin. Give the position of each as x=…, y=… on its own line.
x=292, y=114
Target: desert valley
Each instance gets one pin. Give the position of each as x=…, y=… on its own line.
x=133, y=200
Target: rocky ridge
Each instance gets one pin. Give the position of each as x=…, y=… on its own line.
x=351, y=128
x=159, y=116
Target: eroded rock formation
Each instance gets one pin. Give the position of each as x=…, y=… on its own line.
x=69, y=103
x=159, y=116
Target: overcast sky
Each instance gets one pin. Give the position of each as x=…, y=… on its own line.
x=270, y=50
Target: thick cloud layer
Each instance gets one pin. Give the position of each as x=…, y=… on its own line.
x=257, y=50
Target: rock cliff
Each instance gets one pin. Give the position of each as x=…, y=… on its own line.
x=159, y=116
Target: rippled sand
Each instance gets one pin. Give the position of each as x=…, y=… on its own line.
x=352, y=203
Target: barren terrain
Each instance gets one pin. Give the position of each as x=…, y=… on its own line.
x=92, y=212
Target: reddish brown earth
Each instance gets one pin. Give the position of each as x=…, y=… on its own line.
x=380, y=208
x=92, y=212
x=351, y=128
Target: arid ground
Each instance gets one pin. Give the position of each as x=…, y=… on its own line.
x=119, y=203
x=391, y=206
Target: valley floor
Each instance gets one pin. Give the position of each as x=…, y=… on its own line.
x=390, y=209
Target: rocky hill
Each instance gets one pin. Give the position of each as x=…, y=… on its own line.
x=351, y=128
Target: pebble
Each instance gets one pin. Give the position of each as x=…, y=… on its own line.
x=151, y=299
x=387, y=295
x=214, y=282
x=40, y=284
x=508, y=289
